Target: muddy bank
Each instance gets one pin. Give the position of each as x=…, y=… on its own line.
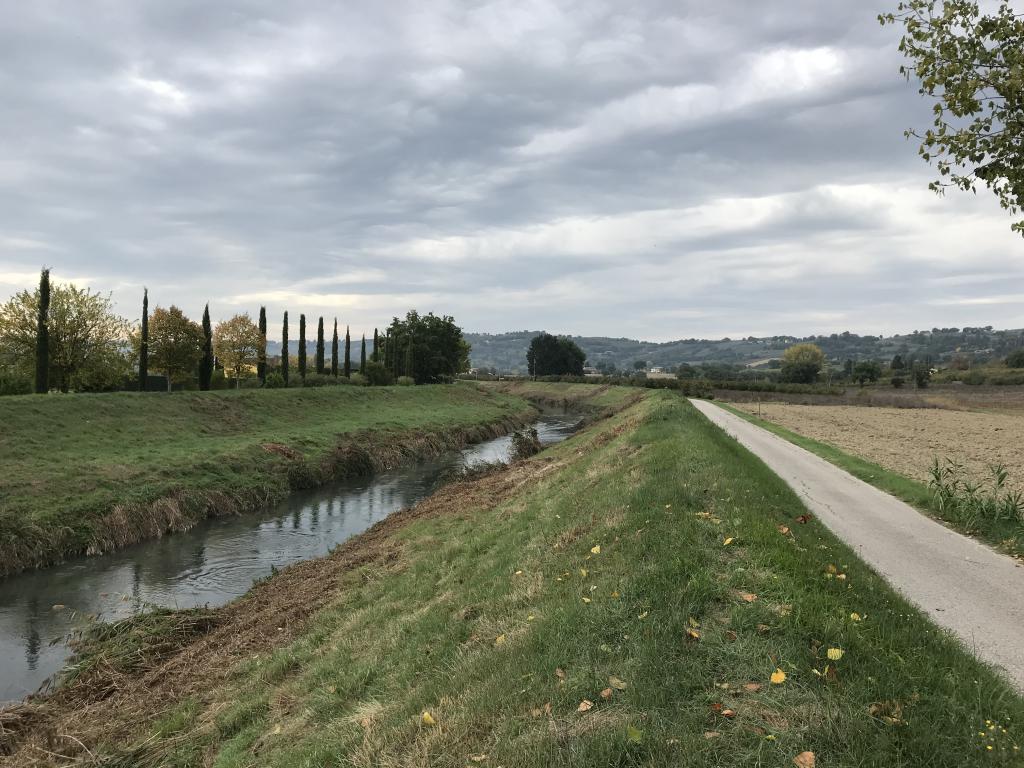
x=288, y=469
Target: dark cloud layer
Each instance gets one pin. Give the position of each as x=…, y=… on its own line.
x=654, y=169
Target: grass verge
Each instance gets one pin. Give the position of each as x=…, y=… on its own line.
x=625, y=598
x=1004, y=535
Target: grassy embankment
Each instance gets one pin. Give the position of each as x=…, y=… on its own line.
x=1003, y=534
x=623, y=598
x=95, y=472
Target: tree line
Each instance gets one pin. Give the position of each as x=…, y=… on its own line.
x=60, y=337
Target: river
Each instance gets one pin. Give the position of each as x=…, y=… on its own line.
x=212, y=563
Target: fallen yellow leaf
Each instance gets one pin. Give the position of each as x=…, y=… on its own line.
x=834, y=654
x=778, y=677
x=692, y=634
x=854, y=617
x=617, y=684
x=499, y=640
x=477, y=758
x=748, y=596
x=427, y=719
x=615, y=595
x=583, y=572
x=596, y=549
x=606, y=693
x=560, y=673
x=585, y=706
x=693, y=622
x=804, y=760
x=642, y=615
x=727, y=542
x=586, y=599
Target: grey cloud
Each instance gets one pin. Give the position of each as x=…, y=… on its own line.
x=516, y=164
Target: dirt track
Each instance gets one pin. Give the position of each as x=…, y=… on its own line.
x=907, y=440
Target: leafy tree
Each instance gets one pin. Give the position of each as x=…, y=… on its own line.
x=922, y=373
x=867, y=370
x=334, y=350
x=348, y=354
x=1015, y=359
x=87, y=343
x=237, y=344
x=284, y=348
x=144, y=342
x=43, y=335
x=320, y=367
x=897, y=363
x=801, y=363
x=177, y=344
x=639, y=365
x=302, y=346
x=261, y=355
x=848, y=369
x=362, y=356
x=206, y=361
x=441, y=352
x=554, y=356
x=972, y=64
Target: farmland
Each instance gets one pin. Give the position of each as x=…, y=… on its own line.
x=907, y=441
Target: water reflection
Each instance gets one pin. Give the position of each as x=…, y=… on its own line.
x=210, y=565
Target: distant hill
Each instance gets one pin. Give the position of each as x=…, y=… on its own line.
x=507, y=351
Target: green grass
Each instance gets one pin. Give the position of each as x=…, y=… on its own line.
x=660, y=490
x=72, y=464
x=1003, y=534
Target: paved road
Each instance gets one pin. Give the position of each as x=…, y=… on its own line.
x=963, y=585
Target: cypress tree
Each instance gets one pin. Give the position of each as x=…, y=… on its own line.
x=43, y=335
x=362, y=356
x=206, y=363
x=334, y=350
x=320, y=347
x=302, y=346
x=284, y=349
x=374, y=356
x=348, y=354
x=261, y=355
x=144, y=343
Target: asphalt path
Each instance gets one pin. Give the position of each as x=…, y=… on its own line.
x=963, y=585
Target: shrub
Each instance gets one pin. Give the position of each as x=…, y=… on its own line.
x=218, y=380
x=358, y=379
x=1015, y=359
x=275, y=381
x=15, y=384
x=525, y=444
x=974, y=377
x=377, y=375
x=898, y=382
x=318, y=380
x=405, y=381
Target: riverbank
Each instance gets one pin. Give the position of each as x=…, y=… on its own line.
x=643, y=593
x=92, y=473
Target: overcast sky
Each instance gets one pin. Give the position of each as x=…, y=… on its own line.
x=649, y=169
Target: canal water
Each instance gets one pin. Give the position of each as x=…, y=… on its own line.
x=214, y=562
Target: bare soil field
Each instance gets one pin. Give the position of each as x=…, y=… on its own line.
x=905, y=440
x=989, y=399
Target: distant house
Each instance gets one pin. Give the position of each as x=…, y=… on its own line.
x=591, y=372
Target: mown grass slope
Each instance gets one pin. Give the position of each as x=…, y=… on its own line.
x=81, y=470
x=642, y=594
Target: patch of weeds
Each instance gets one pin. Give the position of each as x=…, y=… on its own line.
x=969, y=502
